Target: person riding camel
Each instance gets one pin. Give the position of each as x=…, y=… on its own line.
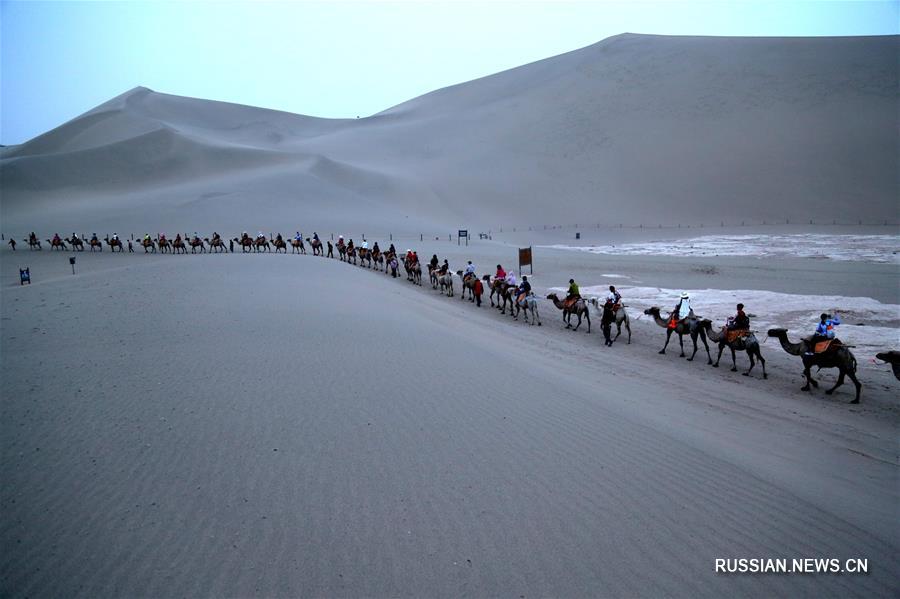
x=376, y=249
x=445, y=267
x=162, y=237
x=392, y=249
x=511, y=279
x=350, y=245
x=523, y=290
x=178, y=238
x=279, y=238
x=574, y=294
x=739, y=321
x=32, y=238
x=613, y=298
x=415, y=258
x=825, y=332
x=408, y=256
x=682, y=310
x=365, y=244
x=470, y=271
x=500, y=274
x=315, y=236
x=216, y=236
x=434, y=262
x=259, y=235
x=94, y=238
x=146, y=236
x=298, y=236
x=340, y=241
x=56, y=238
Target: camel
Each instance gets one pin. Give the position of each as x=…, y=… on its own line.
x=415, y=271
x=246, y=243
x=117, y=243
x=620, y=317
x=165, y=245
x=342, y=251
x=260, y=244
x=365, y=255
x=892, y=358
x=691, y=325
x=57, y=243
x=529, y=304
x=444, y=281
x=280, y=244
x=195, y=243
x=468, y=282
x=316, y=247
x=216, y=243
x=178, y=245
x=837, y=356
x=33, y=243
x=748, y=343
x=76, y=243
x=297, y=246
x=95, y=243
x=351, y=254
x=579, y=309
x=378, y=260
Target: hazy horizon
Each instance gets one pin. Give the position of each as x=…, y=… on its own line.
x=338, y=60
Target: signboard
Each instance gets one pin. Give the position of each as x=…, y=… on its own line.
x=462, y=233
x=525, y=259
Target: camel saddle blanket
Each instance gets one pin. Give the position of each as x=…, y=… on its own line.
x=824, y=346
x=570, y=302
x=731, y=336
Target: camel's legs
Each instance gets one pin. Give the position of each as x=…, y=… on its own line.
x=856, y=383
x=668, y=336
x=719, y=357
x=706, y=345
x=681, y=342
x=733, y=360
x=840, y=381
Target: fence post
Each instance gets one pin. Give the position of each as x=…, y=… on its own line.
x=420, y=236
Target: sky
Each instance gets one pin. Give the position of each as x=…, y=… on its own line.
x=338, y=59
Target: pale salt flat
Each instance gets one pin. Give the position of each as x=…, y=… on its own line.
x=853, y=248
x=868, y=324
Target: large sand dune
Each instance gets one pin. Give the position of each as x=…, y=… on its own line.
x=634, y=129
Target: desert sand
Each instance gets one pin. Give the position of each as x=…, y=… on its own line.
x=282, y=425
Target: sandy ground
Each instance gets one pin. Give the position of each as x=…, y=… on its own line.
x=260, y=425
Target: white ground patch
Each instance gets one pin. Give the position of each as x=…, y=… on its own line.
x=853, y=248
x=868, y=324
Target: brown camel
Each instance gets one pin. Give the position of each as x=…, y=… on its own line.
x=57, y=243
x=342, y=250
x=365, y=255
x=892, y=358
x=579, y=309
x=297, y=246
x=178, y=245
x=837, y=356
x=217, y=244
x=378, y=260
x=468, y=283
x=351, y=254
x=691, y=325
x=279, y=244
x=165, y=246
x=414, y=273
x=196, y=243
x=76, y=243
x=117, y=243
x=246, y=243
x=95, y=243
x=33, y=243
x=316, y=246
x=747, y=343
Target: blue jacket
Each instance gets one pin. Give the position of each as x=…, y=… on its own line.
x=826, y=329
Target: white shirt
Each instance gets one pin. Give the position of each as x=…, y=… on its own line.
x=685, y=310
x=511, y=278
x=470, y=269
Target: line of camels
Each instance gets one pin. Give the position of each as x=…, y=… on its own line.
x=503, y=296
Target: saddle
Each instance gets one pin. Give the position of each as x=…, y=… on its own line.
x=828, y=345
x=731, y=336
x=571, y=302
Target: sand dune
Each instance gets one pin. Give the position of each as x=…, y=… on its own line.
x=631, y=129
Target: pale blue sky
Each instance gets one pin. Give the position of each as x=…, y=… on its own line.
x=337, y=59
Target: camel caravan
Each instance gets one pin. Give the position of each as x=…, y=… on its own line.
x=513, y=297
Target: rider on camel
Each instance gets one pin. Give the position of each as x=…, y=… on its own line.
x=682, y=309
x=523, y=290
x=56, y=238
x=825, y=328
x=500, y=274
x=376, y=249
x=350, y=245
x=445, y=267
x=298, y=236
x=340, y=241
x=415, y=258
x=511, y=279
x=470, y=270
x=434, y=262
x=613, y=298
x=315, y=236
x=574, y=294
x=739, y=321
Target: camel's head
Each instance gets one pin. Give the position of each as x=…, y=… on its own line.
x=891, y=357
x=459, y=273
x=654, y=311
x=552, y=297
x=776, y=332
x=486, y=278
x=705, y=323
